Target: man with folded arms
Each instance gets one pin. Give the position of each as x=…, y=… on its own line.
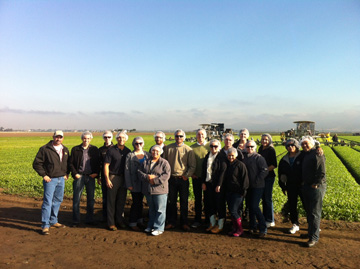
x=85, y=167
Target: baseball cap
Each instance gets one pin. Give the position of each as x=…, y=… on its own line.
x=59, y=132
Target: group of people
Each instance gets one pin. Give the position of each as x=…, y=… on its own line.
x=235, y=175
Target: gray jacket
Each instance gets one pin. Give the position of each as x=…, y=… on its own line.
x=161, y=170
x=132, y=165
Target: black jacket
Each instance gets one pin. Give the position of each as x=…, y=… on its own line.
x=313, y=168
x=270, y=157
x=290, y=175
x=236, y=178
x=47, y=162
x=76, y=159
x=257, y=170
x=218, y=169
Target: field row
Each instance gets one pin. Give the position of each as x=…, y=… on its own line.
x=351, y=159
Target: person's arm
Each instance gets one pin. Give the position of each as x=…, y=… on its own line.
x=191, y=165
x=107, y=175
x=164, y=174
x=128, y=180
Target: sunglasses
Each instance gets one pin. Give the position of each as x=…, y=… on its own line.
x=214, y=146
x=137, y=144
x=107, y=136
x=250, y=147
x=291, y=145
x=158, y=137
x=179, y=136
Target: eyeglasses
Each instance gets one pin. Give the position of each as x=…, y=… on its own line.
x=137, y=144
x=107, y=136
x=179, y=136
x=214, y=146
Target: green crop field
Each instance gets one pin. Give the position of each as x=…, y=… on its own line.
x=342, y=200
x=351, y=159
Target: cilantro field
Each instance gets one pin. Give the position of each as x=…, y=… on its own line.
x=17, y=152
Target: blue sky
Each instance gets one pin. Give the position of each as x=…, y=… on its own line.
x=175, y=64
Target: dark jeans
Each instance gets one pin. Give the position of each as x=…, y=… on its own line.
x=178, y=185
x=104, y=198
x=197, y=189
x=268, y=208
x=234, y=200
x=78, y=187
x=255, y=195
x=293, y=192
x=136, y=208
x=210, y=200
x=221, y=203
x=116, y=198
x=313, y=199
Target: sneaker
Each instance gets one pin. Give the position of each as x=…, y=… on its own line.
x=112, y=228
x=58, y=225
x=156, y=233
x=311, y=243
x=148, y=230
x=45, y=231
x=270, y=224
x=294, y=229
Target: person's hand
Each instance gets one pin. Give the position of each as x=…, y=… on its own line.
x=109, y=183
x=93, y=175
x=66, y=177
x=77, y=176
x=203, y=187
x=47, y=178
x=319, y=151
x=217, y=189
x=314, y=186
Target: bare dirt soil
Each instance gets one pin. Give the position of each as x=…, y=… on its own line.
x=23, y=246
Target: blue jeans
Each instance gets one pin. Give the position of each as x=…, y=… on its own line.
x=234, y=200
x=255, y=213
x=78, y=187
x=268, y=207
x=157, y=211
x=53, y=196
x=313, y=199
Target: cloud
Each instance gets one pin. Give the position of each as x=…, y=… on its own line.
x=113, y=113
x=37, y=112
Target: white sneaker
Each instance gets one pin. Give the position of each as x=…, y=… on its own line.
x=156, y=232
x=294, y=229
x=270, y=224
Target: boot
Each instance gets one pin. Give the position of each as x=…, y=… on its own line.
x=234, y=226
x=212, y=223
x=239, y=230
x=218, y=228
